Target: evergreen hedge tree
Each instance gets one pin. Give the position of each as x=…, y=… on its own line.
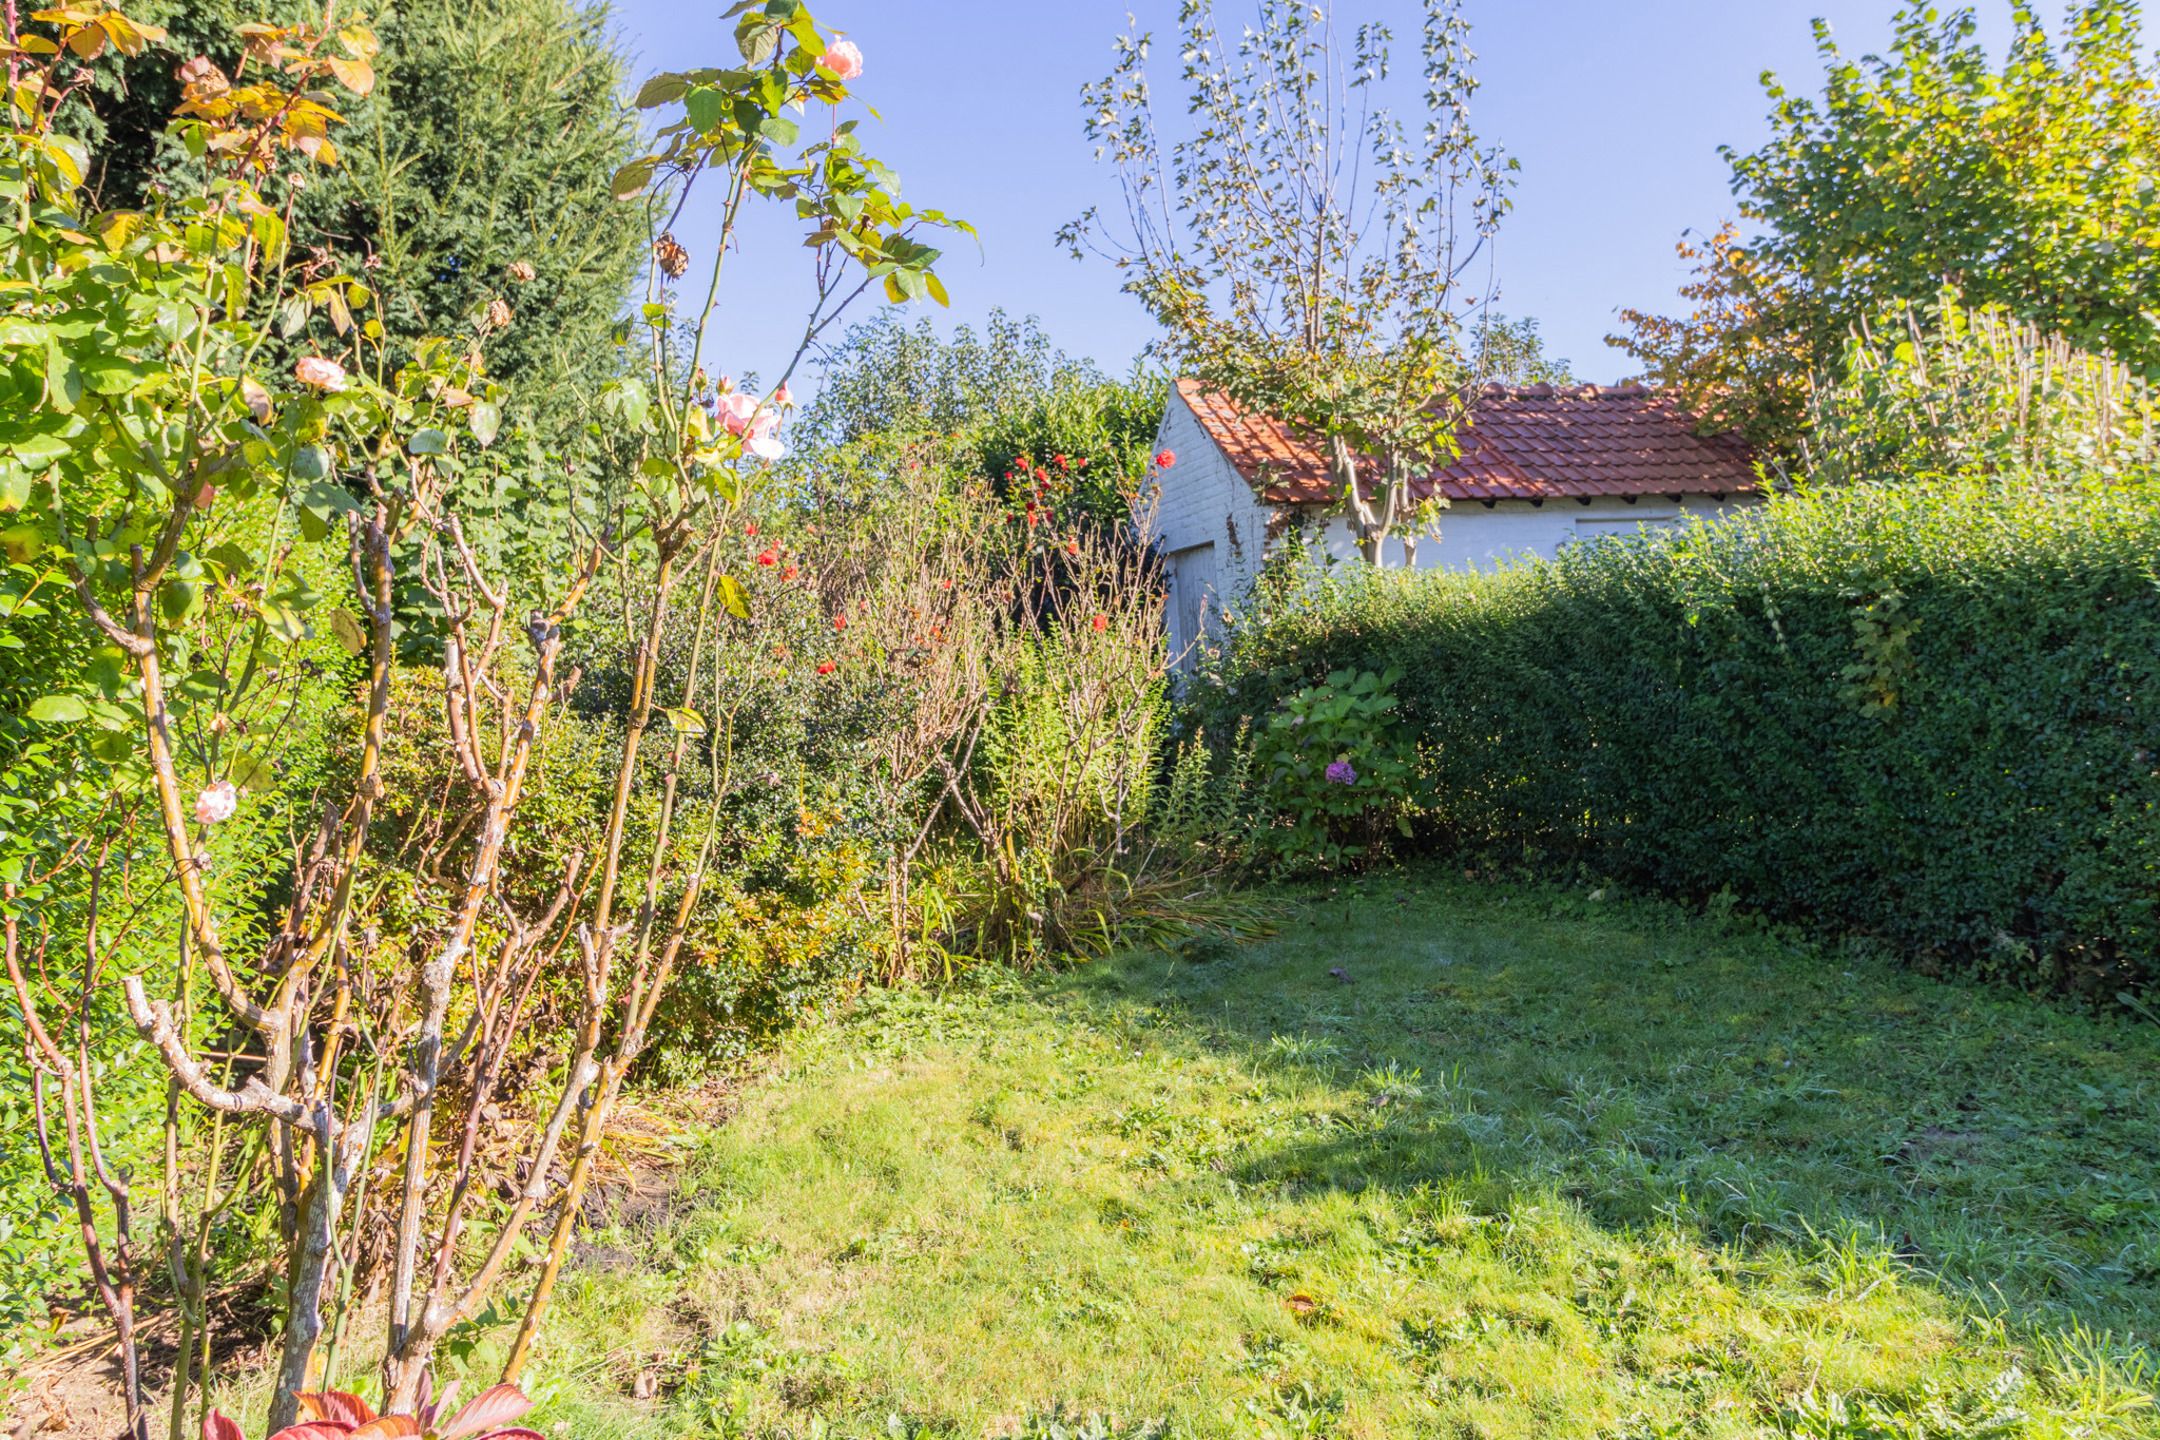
x=486, y=141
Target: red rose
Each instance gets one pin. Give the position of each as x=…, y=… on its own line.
x=839, y=622
x=826, y=667
x=1164, y=459
x=1100, y=622
x=770, y=555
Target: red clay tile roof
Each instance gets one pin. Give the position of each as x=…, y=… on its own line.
x=1530, y=442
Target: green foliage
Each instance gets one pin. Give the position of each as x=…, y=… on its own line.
x=1065, y=769
x=1334, y=768
x=2027, y=183
x=745, y=117
x=1018, y=412
x=1922, y=714
x=1958, y=391
x=792, y=922
x=1318, y=266
x=1511, y=351
x=193, y=495
x=480, y=146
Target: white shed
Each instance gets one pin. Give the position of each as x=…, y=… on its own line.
x=1541, y=467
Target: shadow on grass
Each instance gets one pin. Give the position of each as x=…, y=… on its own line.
x=1662, y=1071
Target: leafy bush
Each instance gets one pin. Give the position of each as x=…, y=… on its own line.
x=1957, y=390
x=1019, y=415
x=1927, y=714
x=1335, y=770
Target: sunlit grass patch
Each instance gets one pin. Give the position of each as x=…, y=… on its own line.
x=1440, y=1159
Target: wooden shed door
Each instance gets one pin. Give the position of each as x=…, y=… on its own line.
x=1193, y=578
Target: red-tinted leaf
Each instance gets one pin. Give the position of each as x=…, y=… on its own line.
x=495, y=1406
x=388, y=1427
x=217, y=1425
x=315, y=1430
x=338, y=1406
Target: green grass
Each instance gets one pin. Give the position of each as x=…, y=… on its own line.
x=1531, y=1165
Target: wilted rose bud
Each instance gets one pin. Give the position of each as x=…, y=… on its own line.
x=320, y=373
x=522, y=271
x=498, y=314
x=200, y=79
x=674, y=260
x=215, y=804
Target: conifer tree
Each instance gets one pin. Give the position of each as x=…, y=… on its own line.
x=483, y=144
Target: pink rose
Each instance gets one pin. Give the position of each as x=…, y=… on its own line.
x=842, y=60
x=783, y=397
x=216, y=803
x=743, y=415
x=735, y=411
x=320, y=373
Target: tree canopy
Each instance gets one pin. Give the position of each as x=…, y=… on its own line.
x=1010, y=404
x=2028, y=183
x=1306, y=250
x=471, y=155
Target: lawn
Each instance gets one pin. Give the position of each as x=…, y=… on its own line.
x=1440, y=1158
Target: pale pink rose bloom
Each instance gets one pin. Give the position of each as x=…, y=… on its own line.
x=216, y=803
x=765, y=447
x=735, y=410
x=320, y=373
x=842, y=60
x=204, y=496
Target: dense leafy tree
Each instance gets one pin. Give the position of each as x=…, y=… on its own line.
x=476, y=149
x=2028, y=184
x=1743, y=356
x=1009, y=402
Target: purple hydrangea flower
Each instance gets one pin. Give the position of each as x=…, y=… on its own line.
x=1341, y=772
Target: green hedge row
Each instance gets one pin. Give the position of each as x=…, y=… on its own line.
x=1928, y=715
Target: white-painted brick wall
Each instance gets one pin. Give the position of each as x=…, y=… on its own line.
x=1203, y=501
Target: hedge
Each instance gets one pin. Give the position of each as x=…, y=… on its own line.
x=1927, y=715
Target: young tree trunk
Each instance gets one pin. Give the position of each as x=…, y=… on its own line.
x=309, y=1278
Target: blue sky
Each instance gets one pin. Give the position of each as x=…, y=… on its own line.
x=1615, y=111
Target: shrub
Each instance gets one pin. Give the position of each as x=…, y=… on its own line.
x=1026, y=420
x=1335, y=769
x=1926, y=714
x=1957, y=390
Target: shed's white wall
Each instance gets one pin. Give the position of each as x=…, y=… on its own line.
x=1474, y=536
x=1211, y=526
x=1214, y=531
